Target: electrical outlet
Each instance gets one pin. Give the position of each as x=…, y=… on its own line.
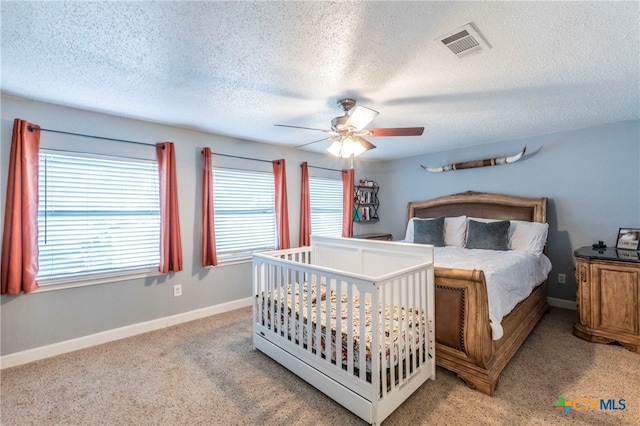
x=177, y=290
x=562, y=278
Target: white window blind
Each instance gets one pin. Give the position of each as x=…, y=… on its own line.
x=244, y=212
x=326, y=206
x=96, y=215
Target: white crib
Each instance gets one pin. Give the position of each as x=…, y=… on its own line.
x=354, y=318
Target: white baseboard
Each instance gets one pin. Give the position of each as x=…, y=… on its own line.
x=564, y=304
x=35, y=354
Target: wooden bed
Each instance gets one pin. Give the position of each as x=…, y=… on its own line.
x=464, y=343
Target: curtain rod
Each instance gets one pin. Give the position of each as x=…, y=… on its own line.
x=30, y=128
x=323, y=168
x=242, y=158
x=267, y=161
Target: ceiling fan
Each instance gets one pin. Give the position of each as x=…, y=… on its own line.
x=348, y=130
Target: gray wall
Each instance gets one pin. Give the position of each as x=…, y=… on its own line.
x=43, y=318
x=590, y=176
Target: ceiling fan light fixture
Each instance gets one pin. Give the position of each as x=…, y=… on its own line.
x=352, y=147
x=335, y=149
x=348, y=129
x=346, y=147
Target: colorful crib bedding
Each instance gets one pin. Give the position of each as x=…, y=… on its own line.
x=400, y=324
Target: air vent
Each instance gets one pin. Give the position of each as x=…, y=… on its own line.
x=463, y=42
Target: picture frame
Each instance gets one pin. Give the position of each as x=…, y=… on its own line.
x=628, y=239
x=628, y=254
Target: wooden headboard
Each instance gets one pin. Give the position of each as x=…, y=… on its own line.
x=481, y=204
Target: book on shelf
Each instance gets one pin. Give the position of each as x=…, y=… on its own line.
x=361, y=214
x=366, y=197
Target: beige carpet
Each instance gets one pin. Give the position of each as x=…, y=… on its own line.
x=206, y=373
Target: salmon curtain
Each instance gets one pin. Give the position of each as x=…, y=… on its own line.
x=305, y=208
x=282, y=208
x=20, y=235
x=170, y=241
x=209, y=256
x=347, y=203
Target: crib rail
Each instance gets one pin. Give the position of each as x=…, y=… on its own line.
x=370, y=334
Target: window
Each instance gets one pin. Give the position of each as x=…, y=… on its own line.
x=244, y=212
x=97, y=215
x=326, y=206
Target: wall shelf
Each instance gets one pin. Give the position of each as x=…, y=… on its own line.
x=366, y=204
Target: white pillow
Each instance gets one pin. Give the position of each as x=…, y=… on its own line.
x=408, y=236
x=455, y=230
x=528, y=236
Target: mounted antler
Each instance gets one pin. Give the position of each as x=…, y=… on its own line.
x=477, y=163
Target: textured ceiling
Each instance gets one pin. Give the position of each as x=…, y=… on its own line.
x=238, y=68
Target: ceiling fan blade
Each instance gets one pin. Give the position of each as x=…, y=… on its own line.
x=365, y=143
x=360, y=117
x=305, y=128
x=319, y=140
x=394, y=131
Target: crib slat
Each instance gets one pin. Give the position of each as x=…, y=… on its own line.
x=362, y=364
x=318, y=341
x=279, y=301
x=392, y=323
x=328, y=305
x=404, y=374
x=411, y=332
x=272, y=295
x=424, y=317
x=282, y=300
x=422, y=344
x=399, y=306
x=308, y=308
x=338, y=337
x=350, y=345
x=415, y=322
x=285, y=288
x=297, y=309
x=395, y=312
x=297, y=326
x=383, y=292
x=256, y=292
x=428, y=303
x=266, y=294
x=291, y=304
x=307, y=326
x=377, y=340
x=421, y=288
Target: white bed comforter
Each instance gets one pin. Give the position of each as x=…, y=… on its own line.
x=511, y=276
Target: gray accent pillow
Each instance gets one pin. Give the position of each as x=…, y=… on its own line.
x=429, y=231
x=488, y=236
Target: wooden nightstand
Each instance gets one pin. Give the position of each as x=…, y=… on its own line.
x=608, y=296
x=380, y=236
